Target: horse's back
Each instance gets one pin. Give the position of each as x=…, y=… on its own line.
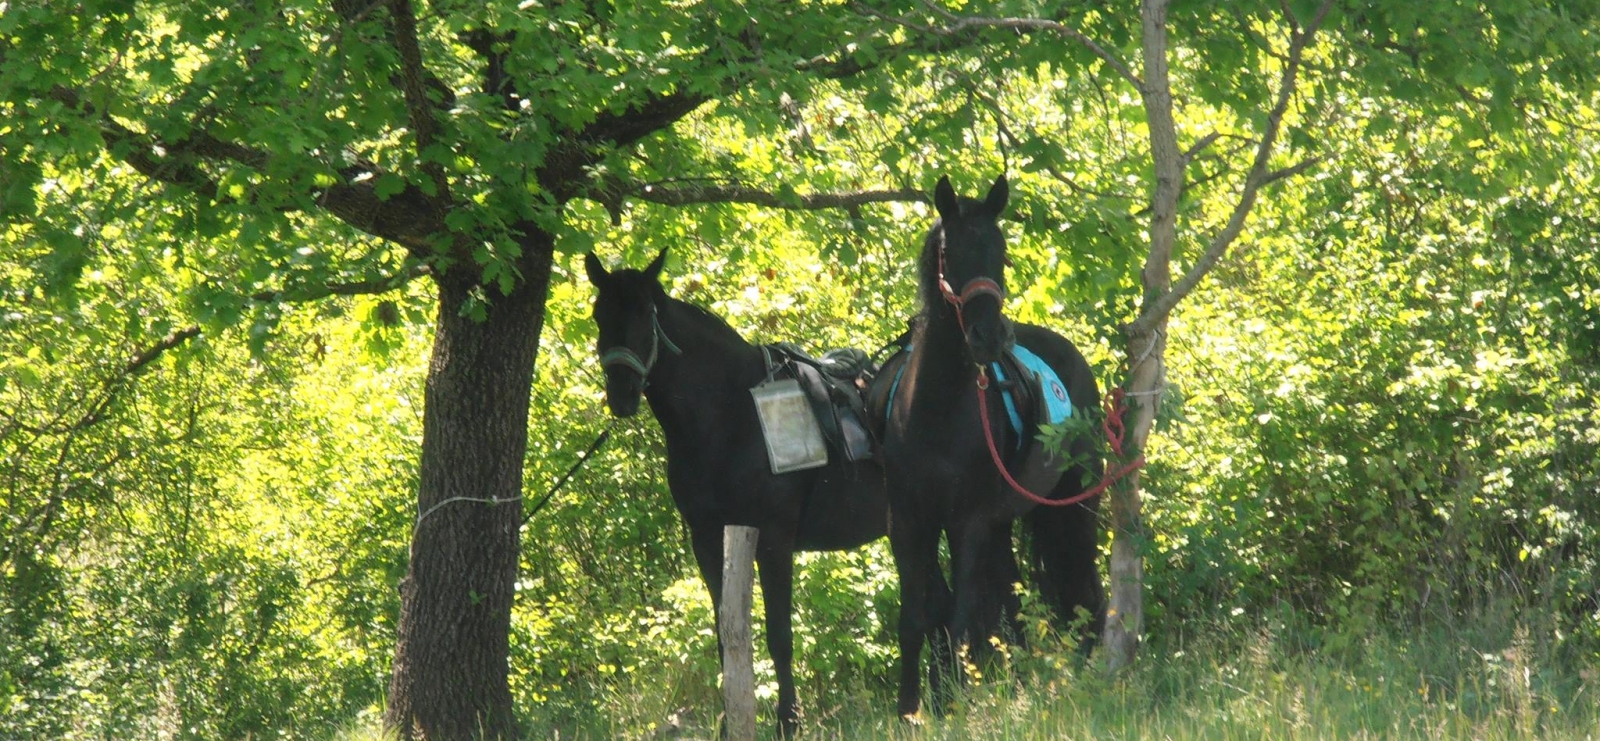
x=1067, y=361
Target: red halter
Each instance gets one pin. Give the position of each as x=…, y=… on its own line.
x=979, y=286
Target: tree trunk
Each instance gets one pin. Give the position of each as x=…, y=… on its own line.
x=1125, y=614
x=451, y=661
x=1146, y=349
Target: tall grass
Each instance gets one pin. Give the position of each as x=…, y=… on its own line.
x=1497, y=680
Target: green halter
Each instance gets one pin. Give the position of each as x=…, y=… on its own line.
x=621, y=355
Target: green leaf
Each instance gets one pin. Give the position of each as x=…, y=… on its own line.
x=388, y=185
x=1304, y=10
x=20, y=180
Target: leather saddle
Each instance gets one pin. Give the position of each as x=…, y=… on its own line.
x=835, y=385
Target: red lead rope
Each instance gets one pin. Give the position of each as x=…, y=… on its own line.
x=1112, y=424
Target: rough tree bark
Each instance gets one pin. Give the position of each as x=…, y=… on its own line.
x=451, y=659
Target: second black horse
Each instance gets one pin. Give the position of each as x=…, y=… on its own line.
x=939, y=450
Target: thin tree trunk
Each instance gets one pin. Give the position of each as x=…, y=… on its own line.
x=451, y=662
x=1125, y=614
x=1146, y=349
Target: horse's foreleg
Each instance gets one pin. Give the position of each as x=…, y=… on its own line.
x=941, y=653
x=776, y=558
x=916, y=563
x=1003, y=574
x=707, y=545
x=970, y=550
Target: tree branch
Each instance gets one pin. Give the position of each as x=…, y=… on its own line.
x=686, y=195
x=1200, y=146
x=641, y=119
x=408, y=218
x=384, y=284
x=961, y=24
x=144, y=358
x=1258, y=176
x=414, y=86
x=562, y=171
x=1297, y=168
x=112, y=385
x=155, y=160
x=491, y=47
x=152, y=353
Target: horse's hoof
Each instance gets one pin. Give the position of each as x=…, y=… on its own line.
x=911, y=719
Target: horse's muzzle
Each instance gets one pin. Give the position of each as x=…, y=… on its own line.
x=987, y=341
x=622, y=394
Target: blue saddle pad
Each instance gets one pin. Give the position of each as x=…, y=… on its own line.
x=1057, y=404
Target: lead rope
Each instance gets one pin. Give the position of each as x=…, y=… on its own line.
x=1113, y=419
x=1114, y=401
x=582, y=459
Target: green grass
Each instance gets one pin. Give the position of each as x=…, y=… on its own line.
x=1501, y=682
x=1492, y=677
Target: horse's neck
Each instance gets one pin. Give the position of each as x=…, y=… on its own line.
x=941, y=351
x=715, y=365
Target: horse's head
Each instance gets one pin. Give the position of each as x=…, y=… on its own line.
x=625, y=306
x=971, y=262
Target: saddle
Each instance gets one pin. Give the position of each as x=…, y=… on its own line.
x=1032, y=392
x=834, y=384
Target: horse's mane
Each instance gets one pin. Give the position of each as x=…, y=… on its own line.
x=703, y=320
x=928, y=269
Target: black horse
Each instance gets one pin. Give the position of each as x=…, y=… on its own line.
x=942, y=478
x=697, y=373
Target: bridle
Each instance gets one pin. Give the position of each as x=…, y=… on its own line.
x=624, y=356
x=974, y=287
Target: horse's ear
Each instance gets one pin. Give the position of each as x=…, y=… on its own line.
x=995, y=202
x=944, y=199
x=597, y=271
x=653, y=270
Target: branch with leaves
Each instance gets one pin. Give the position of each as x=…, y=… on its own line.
x=687, y=194
x=1258, y=176
x=957, y=25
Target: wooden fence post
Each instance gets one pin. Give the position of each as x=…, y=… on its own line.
x=738, y=668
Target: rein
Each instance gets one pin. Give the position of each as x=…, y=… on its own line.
x=627, y=358
x=1114, y=405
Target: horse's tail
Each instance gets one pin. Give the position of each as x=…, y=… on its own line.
x=1064, y=550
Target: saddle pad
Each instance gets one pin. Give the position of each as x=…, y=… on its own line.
x=1057, y=404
